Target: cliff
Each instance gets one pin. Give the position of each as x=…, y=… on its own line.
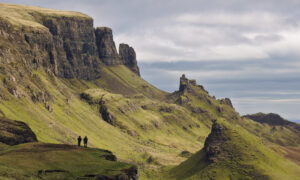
x=106, y=46
x=63, y=42
x=128, y=56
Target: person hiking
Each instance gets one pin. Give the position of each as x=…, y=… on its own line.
x=85, y=141
x=79, y=140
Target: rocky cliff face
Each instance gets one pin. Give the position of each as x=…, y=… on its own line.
x=106, y=46
x=69, y=46
x=128, y=56
x=73, y=50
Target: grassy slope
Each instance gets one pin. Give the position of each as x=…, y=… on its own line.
x=250, y=160
x=24, y=161
x=159, y=134
x=22, y=16
x=141, y=132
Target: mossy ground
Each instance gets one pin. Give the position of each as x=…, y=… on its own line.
x=37, y=160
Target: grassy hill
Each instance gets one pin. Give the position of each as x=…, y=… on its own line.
x=231, y=152
x=58, y=161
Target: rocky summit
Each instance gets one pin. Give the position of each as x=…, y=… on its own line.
x=61, y=78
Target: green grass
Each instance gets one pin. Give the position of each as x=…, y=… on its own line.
x=243, y=156
x=28, y=16
x=159, y=134
x=24, y=161
x=149, y=124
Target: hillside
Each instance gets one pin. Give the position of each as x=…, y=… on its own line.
x=58, y=161
x=233, y=153
x=65, y=78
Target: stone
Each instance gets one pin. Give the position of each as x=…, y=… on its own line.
x=214, y=141
x=226, y=101
x=105, y=114
x=128, y=56
x=106, y=46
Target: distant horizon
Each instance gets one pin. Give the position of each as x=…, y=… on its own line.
x=247, y=51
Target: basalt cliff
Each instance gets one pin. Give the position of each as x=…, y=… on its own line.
x=69, y=46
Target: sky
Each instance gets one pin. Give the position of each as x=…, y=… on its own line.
x=247, y=50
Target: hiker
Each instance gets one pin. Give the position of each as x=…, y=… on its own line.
x=79, y=140
x=85, y=141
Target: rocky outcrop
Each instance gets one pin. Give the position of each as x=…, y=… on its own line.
x=15, y=132
x=128, y=56
x=226, y=101
x=69, y=46
x=72, y=48
x=66, y=46
x=106, y=46
x=105, y=114
x=186, y=84
x=214, y=143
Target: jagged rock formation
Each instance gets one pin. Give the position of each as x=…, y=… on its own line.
x=213, y=143
x=226, y=101
x=15, y=132
x=128, y=56
x=72, y=49
x=67, y=45
x=106, y=46
x=106, y=116
x=185, y=84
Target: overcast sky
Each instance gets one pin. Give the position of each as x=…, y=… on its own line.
x=247, y=50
